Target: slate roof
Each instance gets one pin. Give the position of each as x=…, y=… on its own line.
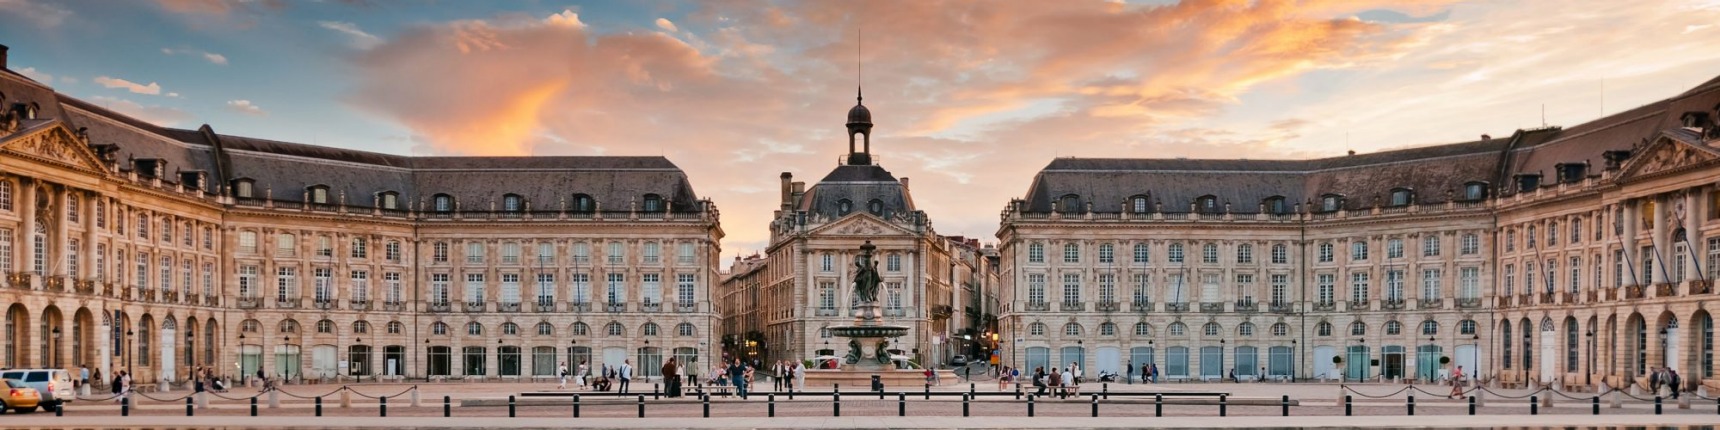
x=859, y=185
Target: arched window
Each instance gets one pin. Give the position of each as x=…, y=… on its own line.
x=653, y=203
x=614, y=329
x=513, y=203
x=649, y=330
x=250, y=326
x=1323, y=329
x=1280, y=330
x=583, y=203
x=1466, y=327
x=1069, y=204
x=1245, y=330
x=510, y=329
x=687, y=330
x=1072, y=329
x=581, y=329
x=474, y=328
x=844, y=206
x=1401, y=197
x=319, y=194
x=1107, y=329
x=876, y=207
x=289, y=326
x=325, y=326
x=545, y=329
x=439, y=328
x=1474, y=191
x=1276, y=205
x=1331, y=202
x=1036, y=329
x=1143, y=329
x=442, y=203
x=1206, y=204
x=1394, y=328
x=1178, y=329
x=1429, y=328
x=360, y=327
x=1138, y=204
x=1211, y=329
x=395, y=327
x=1358, y=329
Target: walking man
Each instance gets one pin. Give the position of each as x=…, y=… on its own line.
x=626, y=375
x=737, y=376
x=561, y=371
x=1129, y=373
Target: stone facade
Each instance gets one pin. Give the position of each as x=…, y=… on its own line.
x=128, y=246
x=1402, y=263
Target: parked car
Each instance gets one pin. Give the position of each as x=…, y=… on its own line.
x=19, y=396
x=958, y=360
x=53, y=385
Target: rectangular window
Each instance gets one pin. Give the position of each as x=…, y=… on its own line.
x=652, y=253
x=652, y=284
x=6, y=254
x=1176, y=285
x=1394, y=286
x=685, y=253
x=474, y=252
x=826, y=262
x=1143, y=288
x=186, y=275
x=1358, y=251
x=166, y=273
x=324, y=279
x=1036, y=288
x=827, y=295
x=1175, y=255
x=1245, y=287
x=1071, y=288
x=1576, y=275
x=209, y=279
x=1618, y=269
x=391, y=251
x=247, y=281
x=1432, y=284
x=1280, y=254
x=1358, y=287
x=474, y=288
x=684, y=285
x=1647, y=256
x=546, y=289
x=545, y=254
x=1510, y=273
x=616, y=253
x=893, y=263
x=1394, y=248
x=1108, y=288
x=391, y=281
x=360, y=248
x=581, y=253
x=1280, y=288
x=511, y=288
x=143, y=271
x=1245, y=254
x=1209, y=254
x=1143, y=253
x=1510, y=240
x=72, y=258
x=1036, y=253
x=581, y=285
x=360, y=286
x=1430, y=245
x=617, y=289
x=1071, y=253
x=439, y=286
x=6, y=250
x=325, y=247
x=439, y=252
x=286, y=283
x=895, y=300
x=248, y=241
x=1325, y=254
x=510, y=253
x=1471, y=279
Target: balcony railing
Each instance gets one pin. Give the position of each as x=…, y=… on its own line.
x=1072, y=306
x=1176, y=307
x=440, y=307
x=1701, y=286
x=1038, y=306
x=1430, y=304
x=1567, y=297
x=1665, y=290
x=288, y=303
x=579, y=307
x=615, y=307
x=895, y=312
x=686, y=307
x=825, y=312
x=324, y=304
x=1357, y=306
x=86, y=287
x=1325, y=306
x=544, y=306
x=1546, y=298
x=1211, y=307
x=1247, y=306
x=1632, y=292
x=1392, y=304
x=474, y=306
x=652, y=307
x=1107, y=306
x=1469, y=303
x=358, y=305
x=508, y=307
x=1141, y=307
x=393, y=306
x=250, y=302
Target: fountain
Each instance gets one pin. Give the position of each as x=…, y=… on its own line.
x=868, y=326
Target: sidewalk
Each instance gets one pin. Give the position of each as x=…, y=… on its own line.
x=919, y=422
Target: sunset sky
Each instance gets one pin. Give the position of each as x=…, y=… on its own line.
x=970, y=98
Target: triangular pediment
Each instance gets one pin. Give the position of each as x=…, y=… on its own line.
x=861, y=224
x=52, y=143
x=1671, y=152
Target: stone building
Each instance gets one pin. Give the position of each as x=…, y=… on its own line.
x=1555, y=255
x=784, y=301
x=127, y=245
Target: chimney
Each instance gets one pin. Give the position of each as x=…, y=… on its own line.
x=786, y=197
x=797, y=189
x=1485, y=137
x=3, y=49
x=904, y=182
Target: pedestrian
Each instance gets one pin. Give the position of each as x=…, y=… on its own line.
x=580, y=376
x=1069, y=381
x=1129, y=373
x=1039, y=381
x=1457, y=383
x=1075, y=368
x=799, y=376
x=83, y=375
x=1155, y=373
x=1003, y=378
x=561, y=370
x=777, y=371
x=1233, y=379
x=626, y=375
x=1674, y=382
x=1654, y=381
x=261, y=378
x=671, y=378
x=737, y=375
x=125, y=385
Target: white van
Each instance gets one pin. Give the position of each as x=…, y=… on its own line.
x=54, y=384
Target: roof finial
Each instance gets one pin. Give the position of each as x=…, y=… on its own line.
x=859, y=67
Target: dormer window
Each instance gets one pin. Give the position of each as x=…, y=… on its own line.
x=1275, y=205
x=149, y=167
x=1474, y=191
x=583, y=203
x=244, y=188
x=319, y=194
x=1138, y=204
x=843, y=207
x=389, y=200
x=1401, y=197
x=1528, y=182
x=442, y=203
x=512, y=203
x=192, y=180
x=653, y=203
x=876, y=207
x=1331, y=202
x=1206, y=204
x=1069, y=204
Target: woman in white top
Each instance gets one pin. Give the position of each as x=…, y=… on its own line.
x=561, y=371
x=579, y=377
x=799, y=377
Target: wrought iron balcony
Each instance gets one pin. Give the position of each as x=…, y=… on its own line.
x=1358, y=306
x=1141, y=306
x=1632, y=292
x=1469, y=303
x=324, y=304
x=86, y=287
x=544, y=306
x=508, y=307
x=615, y=307
x=1072, y=306
x=686, y=307
x=1176, y=307
x=579, y=306
x=211, y=300
x=1211, y=307
x=358, y=305
x=1325, y=306
x=1108, y=306
x=393, y=306
x=1665, y=290
x=1430, y=304
x=477, y=306
x=1247, y=306
x=1392, y=304
x=1700, y=286
x=250, y=302
x=1280, y=307
x=895, y=312
x=1547, y=298
x=440, y=307
x=293, y=303
x=652, y=307
x=825, y=312
x=1592, y=296
x=1038, y=306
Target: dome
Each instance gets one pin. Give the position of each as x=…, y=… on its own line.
x=859, y=115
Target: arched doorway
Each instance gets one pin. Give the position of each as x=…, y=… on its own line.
x=1549, y=342
x=1670, y=343
x=17, y=336
x=52, y=354
x=142, y=340
x=83, y=337
x=1636, y=335
x=169, y=349
x=209, y=344
x=1703, y=328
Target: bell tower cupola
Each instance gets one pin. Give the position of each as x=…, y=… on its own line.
x=859, y=123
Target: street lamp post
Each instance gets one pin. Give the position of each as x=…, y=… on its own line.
x=128, y=351
x=1475, y=357
x=1589, y=371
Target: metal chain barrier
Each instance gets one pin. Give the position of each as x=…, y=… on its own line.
x=219, y=396
x=401, y=393
x=101, y=399
x=146, y=396
x=284, y=392
x=1525, y=396
x=1353, y=390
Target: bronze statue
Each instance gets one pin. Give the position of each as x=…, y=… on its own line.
x=883, y=351
x=866, y=278
x=853, y=351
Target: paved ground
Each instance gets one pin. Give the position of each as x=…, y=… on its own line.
x=1318, y=404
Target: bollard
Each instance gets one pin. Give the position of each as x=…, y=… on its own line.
x=1029, y=405
x=901, y=404
x=1596, y=403
x=576, y=406
x=836, y=404
x=414, y=398
x=447, y=407
x=1223, y=404
x=1534, y=406
x=964, y=404
x=125, y=407
x=771, y=400
x=319, y=405
x=1657, y=405
x=1095, y=406
x=1105, y=390
x=188, y=408
x=928, y=391
x=641, y=406
x=1347, y=405
x=1158, y=405
x=706, y=399
x=1412, y=405
x=970, y=388
x=1285, y=404
x=1472, y=405
x=655, y=394
x=510, y=406
x=253, y=406
x=382, y=407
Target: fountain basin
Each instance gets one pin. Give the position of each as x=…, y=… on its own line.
x=863, y=332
